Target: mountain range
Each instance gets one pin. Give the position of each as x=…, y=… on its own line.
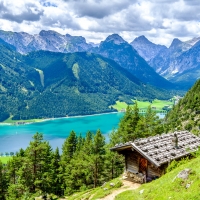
x=179, y=63
x=114, y=47
x=45, y=40
x=117, y=49
x=45, y=84
x=54, y=75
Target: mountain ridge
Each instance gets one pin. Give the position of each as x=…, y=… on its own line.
x=127, y=57
x=44, y=84
x=45, y=40
x=146, y=48
x=179, y=63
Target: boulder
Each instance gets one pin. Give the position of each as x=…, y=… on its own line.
x=184, y=174
x=112, y=184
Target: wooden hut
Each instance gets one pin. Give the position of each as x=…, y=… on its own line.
x=147, y=158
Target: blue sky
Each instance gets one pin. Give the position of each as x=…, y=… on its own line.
x=159, y=20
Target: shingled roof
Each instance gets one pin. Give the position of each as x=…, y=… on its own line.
x=159, y=149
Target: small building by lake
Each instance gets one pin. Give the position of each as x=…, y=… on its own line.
x=147, y=159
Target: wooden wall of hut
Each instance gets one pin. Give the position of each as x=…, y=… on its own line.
x=153, y=171
x=132, y=161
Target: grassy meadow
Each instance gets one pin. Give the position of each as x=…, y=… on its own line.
x=11, y=121
x=98, y=192
x=156, y=104
x=4, y=160
x=168, y=186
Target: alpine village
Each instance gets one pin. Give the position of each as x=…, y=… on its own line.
x=153, y=153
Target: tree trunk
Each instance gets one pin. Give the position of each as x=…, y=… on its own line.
x=95, y=174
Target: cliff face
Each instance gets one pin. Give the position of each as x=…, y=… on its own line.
x=45, y=40
x=147, y=49
x=117, y=49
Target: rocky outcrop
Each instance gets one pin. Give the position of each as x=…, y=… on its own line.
x=147, y=49
x=117, y=49
x=45, y=40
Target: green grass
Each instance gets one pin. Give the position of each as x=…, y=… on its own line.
x=143, y=105
x=166, y=187
x=120, y=105
x=11, y=121
x=96, y=193
x=4, y=160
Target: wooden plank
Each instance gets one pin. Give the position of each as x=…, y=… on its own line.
x=152, y=171
x=132, y=162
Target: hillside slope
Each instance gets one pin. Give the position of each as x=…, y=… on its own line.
x=16, y=81
x=168, y=186
x=117, y=49
x=186, y=114
x=47, y=84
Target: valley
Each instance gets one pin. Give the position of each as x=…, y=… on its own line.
x=72, y=98
x=46, y=84
x=159, y=106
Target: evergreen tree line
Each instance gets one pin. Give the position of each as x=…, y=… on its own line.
x=134, y=125
x=39, y=170
x=85, y=162
x=186, y=114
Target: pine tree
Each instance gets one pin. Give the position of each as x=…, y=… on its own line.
x=113, y=164
x=69, y=147
x=3, y=181
x=98, y=156
x=37, y=165
x=128, y=124
x=55, y=173
x=80, y=142
x=87, y=145
x=149, y=124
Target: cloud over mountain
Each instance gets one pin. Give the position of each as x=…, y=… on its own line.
x=158, y=20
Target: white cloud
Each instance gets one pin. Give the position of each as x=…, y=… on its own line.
x=159, y=20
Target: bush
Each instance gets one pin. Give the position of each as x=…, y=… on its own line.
x=174, y=164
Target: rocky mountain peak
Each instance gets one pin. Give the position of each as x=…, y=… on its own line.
x=175, y=43
x=93, y=44
x=47, y=40
x=146, y=48
x=193, y=41
x=115, y=38
x=141, y=39
x=78, y=39
x=45, y=33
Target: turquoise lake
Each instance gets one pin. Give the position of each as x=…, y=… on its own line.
x=14, y=137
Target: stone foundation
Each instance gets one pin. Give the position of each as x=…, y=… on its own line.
x=136, y=178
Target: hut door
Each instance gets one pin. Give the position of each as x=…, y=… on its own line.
x=143, y=165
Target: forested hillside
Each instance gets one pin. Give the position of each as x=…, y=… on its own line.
x=16, y=81
x=186, y=114
x=47, y=84
x=117, y=49
x=38, y=170
x=84, y=163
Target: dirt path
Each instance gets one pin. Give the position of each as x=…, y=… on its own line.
x=127, y=185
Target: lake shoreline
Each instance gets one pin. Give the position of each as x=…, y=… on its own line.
x=55, y=131
x=21, y=122
x=17, y=123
